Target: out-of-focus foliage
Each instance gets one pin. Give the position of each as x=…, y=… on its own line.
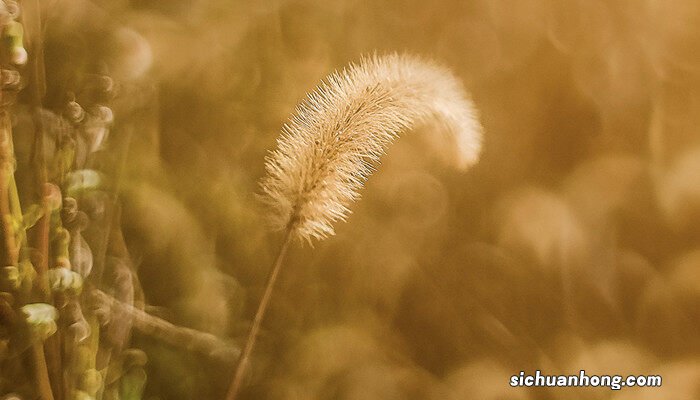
x=572, y=245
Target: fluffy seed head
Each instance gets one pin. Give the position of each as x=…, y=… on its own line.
x=338, y=133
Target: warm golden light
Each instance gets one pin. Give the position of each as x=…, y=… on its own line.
x=530, y=182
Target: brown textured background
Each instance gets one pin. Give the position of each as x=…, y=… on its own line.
x=572, y=245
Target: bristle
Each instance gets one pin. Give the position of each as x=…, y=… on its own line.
x=332, y=143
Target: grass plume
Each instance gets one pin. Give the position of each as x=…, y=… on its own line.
x=335, y=139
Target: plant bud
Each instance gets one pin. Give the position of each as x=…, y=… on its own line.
x=41, y=320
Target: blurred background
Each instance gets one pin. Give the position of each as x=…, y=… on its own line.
x=572, y=245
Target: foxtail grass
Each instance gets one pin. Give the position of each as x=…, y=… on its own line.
x=334, y=142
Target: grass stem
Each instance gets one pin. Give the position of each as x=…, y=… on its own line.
x=244, y=359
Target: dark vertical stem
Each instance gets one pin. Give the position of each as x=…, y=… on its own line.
x=244, y=359
x=41, y=372
x=12, y=256
x=6, y=160
x=31, y=19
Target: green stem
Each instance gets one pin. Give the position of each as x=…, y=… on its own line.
x=8, y=194
x=6, y=163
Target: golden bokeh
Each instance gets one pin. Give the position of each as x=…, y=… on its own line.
x=573, y=244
